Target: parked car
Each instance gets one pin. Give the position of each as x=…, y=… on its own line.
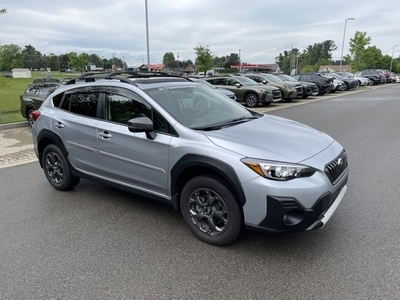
x=289, y=90
x=225, y=92
x=362, y=81
x=385, y=76
x=338, y=84
x=223, y=166
x=325, y=85
x=393, y=77
x=7, y=74
x=247, y=90
x=349, y=83
x=309, y=88
x=373, y=75
x=34, y=96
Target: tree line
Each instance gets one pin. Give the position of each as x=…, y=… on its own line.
x=362, y=56
x=12, y=56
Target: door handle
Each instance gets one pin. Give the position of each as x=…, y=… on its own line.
x=59, y=125
x=105, y=135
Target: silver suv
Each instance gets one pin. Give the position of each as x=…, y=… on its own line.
x=224, y=166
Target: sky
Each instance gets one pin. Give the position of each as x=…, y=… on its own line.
x=261, y=29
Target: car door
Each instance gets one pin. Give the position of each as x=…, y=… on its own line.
x=76, y=122
x=132, y=159
x=235, y=86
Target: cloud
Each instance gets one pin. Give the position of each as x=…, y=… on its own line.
x=261, y=29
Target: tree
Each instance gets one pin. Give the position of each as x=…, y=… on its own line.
x=32, y=57
x=186, y=63
x=10, y=57
x=54, y=63
x=168, y=58
x=3, y=11
x=358, y=45
x=78, y=62
x=204, y=59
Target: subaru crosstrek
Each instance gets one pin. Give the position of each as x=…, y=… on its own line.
x=223, y=166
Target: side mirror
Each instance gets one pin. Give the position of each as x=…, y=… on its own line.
x=238, y=85
x=142, y=124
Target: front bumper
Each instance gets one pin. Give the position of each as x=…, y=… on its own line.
x=299, y=204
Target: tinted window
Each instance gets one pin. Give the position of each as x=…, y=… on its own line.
x=57, y=100
x=82, y=103
x=121, y=109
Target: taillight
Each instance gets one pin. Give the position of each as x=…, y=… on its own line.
x=35, y=115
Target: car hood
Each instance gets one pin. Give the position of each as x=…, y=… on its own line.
x=271, y=138
x=287, y=83
x=225, y=92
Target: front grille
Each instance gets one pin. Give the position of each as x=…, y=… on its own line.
x=276, y=94
x=336, y=167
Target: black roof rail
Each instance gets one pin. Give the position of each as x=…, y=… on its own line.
x=139, y=74
x=46, y=80
x=123, y=76
x=93, y=76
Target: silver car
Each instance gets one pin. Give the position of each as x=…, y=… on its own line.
x=223, y=166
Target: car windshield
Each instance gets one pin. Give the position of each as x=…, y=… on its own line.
x=203, y=82
x=199, y=107
x=272, y=78
x=247, y=81
x=288, y=78
x=335, y=75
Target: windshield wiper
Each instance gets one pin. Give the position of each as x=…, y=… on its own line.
x=229, y=123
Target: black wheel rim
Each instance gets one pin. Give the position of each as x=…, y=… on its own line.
x=208, y=211
x=54, y=168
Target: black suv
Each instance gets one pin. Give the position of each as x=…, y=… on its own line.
x=35, y=94
x=325, y=85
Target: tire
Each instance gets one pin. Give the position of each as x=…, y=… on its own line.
x=57, y=169
x=29, y=117
x=217, y=223
x=251, y=100
x=304, y=96
x=319, y=90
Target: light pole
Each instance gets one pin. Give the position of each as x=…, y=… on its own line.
x=147, y=38
x=240, y=61
x=344, y=33
x=391, y=62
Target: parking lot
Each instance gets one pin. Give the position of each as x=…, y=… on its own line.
x=96, y=242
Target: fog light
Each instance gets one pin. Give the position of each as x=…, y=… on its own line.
x=293, y=217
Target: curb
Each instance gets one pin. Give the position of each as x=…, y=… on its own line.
x=13, y=125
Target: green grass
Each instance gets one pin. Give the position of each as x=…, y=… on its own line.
x=12, y=88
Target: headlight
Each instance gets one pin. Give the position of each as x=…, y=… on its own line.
x=278, y=170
